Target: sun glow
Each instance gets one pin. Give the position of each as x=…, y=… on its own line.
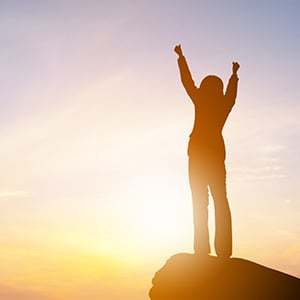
x=158, y=211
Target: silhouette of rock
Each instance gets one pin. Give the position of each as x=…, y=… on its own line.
x=188, y=277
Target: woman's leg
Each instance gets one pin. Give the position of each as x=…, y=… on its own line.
x=223, y=237
x=199, y=190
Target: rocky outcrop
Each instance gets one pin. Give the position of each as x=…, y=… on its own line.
x=188, y=277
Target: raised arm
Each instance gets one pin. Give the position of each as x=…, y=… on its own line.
x=231, y=90
x=185, y=74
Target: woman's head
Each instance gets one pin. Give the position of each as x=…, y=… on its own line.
x=211, y=86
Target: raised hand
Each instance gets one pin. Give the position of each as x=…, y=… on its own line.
x=235, y=67
x=178, y=50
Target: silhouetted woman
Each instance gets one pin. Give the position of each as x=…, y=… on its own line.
x=206, y=153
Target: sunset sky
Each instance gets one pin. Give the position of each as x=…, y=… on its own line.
x=94, y=190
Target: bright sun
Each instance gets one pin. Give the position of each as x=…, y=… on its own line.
x=160, y=214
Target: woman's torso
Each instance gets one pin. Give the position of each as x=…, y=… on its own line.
x=206, y=138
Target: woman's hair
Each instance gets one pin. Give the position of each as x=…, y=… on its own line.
x=211, y=86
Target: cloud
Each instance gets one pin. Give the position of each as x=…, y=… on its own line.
x=13, y=194
x=273, y=149
x=9, y=293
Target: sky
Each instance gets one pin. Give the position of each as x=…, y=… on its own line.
x=94, y=191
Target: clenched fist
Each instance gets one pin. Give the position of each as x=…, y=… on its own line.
x=235, y=67
x=178, y=50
